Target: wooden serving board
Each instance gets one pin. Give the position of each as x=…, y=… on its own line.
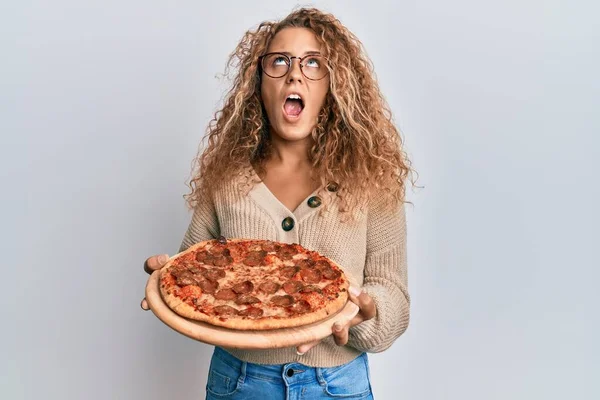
x=220, y=336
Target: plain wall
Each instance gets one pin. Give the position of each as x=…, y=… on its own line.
x=103, y=105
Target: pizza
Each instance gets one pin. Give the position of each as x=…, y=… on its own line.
x=251, y=284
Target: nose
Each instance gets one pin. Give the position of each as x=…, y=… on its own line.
x=295, y=72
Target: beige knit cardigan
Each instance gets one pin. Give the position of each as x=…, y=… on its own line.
x=371, y=249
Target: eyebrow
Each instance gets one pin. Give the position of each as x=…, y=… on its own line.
x=307, y=53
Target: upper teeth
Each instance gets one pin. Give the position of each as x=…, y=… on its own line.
x=294, y=97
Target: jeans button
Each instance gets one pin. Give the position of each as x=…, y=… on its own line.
x=290, y=372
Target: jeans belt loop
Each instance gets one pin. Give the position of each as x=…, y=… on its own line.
x=242, y=377
x=319, y=373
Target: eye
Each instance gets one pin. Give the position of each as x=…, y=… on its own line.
x=313, y=62
x=279, y=61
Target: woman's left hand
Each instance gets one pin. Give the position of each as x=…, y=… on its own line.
x=367, y=310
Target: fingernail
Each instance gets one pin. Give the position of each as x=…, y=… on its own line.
x=354, y=291
x=163, y=258
x=337, y=326
x=299, y=353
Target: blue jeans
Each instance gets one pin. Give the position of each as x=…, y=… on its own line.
x=232, y=379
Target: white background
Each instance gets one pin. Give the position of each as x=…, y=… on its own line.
x=104, y=103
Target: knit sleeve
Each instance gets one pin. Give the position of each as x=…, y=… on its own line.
x=385, y=280
x=204, y=224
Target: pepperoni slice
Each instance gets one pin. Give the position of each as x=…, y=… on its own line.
x=322, y=264
x=263, y=253
x=288, y=272
x=186, y=278
x=330, y=273
x=214, y=274
x=287, y=252
x=225, y=310
x=310, y=275
x=178, y=270
x=269, y=287
x=311, y=289
x=197, y=270
x=200, y=255
x=255, y=258
x=300, y=307
x=306, y=263
x=225, y=294
x=291, y=287
x=208, y=286
x=270, y=246
x=203, y=256
x=221, y=261
x=285, y=300
x=219, y=252
x=246, y=299
x=217, y=249
x=243, y=287
x=209, y=259
x=251, y=312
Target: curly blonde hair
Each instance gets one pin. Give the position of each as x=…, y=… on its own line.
x=355, y=142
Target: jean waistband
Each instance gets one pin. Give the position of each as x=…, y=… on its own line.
x=276, y=372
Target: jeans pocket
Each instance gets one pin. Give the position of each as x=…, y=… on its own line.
x=223, y=378
x=349, y=381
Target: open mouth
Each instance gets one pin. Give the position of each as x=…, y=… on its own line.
x=293, y=105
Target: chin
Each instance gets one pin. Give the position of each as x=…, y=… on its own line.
x=295, y=137
x=292, y=134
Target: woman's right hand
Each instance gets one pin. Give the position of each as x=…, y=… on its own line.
x=150, y=265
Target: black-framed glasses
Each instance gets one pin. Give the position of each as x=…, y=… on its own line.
x=276, y=65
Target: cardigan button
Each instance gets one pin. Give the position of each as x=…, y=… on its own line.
x=333, y=187
x=287, y=224
x=314, y=202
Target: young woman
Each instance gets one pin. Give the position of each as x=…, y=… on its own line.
x=304, y=151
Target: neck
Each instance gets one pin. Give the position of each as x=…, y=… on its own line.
x=293, y=154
